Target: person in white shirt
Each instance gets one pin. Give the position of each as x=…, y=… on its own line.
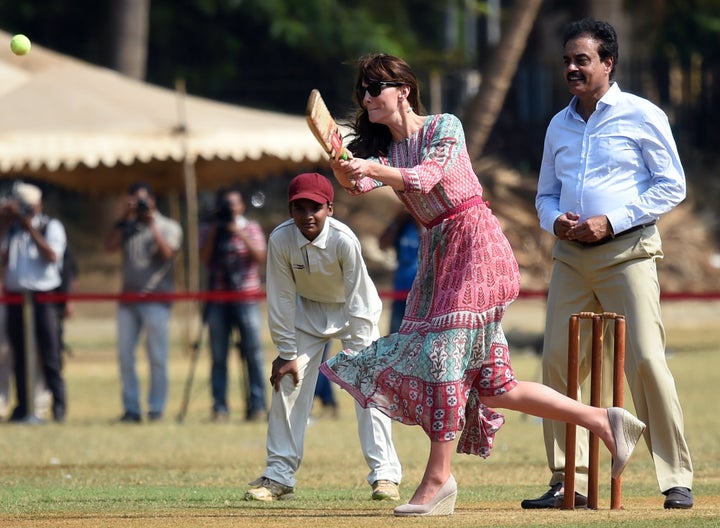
x=610, y=169
x=32, y=249
x=318, y=288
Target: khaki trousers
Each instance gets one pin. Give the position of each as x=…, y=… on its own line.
x=618, y=276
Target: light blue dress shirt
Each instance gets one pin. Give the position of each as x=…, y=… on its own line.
x=622, y=163
x=26, y=268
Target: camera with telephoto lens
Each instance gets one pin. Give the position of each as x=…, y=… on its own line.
x=23, y=208
x=224, y=213
x=142, y=206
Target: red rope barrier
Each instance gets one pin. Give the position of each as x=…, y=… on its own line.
x=225, y=296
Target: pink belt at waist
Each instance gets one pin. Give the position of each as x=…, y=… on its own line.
x=472, y=202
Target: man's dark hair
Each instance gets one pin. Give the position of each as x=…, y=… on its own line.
x=135, y=187
x=223, y=191
x=601, y=31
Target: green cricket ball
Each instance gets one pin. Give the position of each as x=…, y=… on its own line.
x=20, y=45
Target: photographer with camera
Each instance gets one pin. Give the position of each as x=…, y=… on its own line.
x=32, y=250
x=232, y=248
x=149, y=242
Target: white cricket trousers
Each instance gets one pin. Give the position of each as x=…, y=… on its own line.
x=288, y=418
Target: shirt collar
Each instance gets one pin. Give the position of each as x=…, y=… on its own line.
x=610, y=98
x=320, y=241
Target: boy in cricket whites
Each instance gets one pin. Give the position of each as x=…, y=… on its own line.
x=318, y=288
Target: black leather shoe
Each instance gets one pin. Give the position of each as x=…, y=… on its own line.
x=678, y=498
x=130, y=417
x=58, y=413
x=18, y=415
x=553, y=499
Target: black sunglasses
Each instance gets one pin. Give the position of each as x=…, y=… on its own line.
x=374, y=88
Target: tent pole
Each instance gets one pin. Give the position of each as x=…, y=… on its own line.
x=192, y=245
x=181, y=274
x=190, y=180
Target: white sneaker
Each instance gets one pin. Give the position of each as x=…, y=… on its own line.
x=265, y=489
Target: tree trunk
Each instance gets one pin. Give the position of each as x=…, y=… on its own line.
x=483, y=110
x=128, y=36
x=125, y=43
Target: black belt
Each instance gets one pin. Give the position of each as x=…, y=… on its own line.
x=620, y=234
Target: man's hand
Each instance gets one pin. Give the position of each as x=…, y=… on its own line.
x=591, y=230
x=12, y=212
x=25, y=222
x=281, y=367
x=564, y=223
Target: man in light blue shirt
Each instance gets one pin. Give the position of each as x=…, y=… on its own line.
x=610, y=169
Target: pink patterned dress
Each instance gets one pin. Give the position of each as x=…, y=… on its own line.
x=450, y=348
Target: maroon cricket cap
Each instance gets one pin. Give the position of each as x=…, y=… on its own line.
x=312, y=186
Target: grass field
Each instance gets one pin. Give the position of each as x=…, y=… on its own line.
x=91, y=472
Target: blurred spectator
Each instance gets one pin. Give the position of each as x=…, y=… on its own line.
x=233, y=248
x=43, y=398
x=403, y=235
x=68, y=278
x=149, y=242
x=6, y=365
x=32, y=248
x=324, y=391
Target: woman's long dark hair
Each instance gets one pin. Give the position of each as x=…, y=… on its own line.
x=372, y=139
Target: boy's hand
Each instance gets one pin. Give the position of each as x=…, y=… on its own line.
x=281, y=367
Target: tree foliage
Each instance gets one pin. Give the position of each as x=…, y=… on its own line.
x=270, y=53
x=684, y=37
x=690, y=27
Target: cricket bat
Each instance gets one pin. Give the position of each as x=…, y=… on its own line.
x=324, y=127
